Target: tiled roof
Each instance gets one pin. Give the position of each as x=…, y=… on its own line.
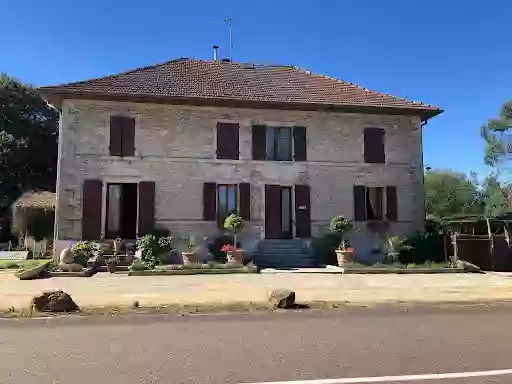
x=190, y=78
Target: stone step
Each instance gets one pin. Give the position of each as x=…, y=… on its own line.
x=280, y=260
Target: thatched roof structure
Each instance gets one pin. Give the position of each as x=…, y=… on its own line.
x=28, y=206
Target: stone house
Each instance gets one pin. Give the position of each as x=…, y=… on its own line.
x=182, y=144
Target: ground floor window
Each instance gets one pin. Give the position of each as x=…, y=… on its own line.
x=374, y=203
x=227, y=200
x=121, y=215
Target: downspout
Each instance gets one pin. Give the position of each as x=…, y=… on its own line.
x=424, y=207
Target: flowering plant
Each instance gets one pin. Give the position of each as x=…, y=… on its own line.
x=348, y=249
x=227, y=248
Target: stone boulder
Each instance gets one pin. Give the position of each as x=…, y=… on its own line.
x=282, y=298
x=71, y=267
x=66, y=256
x=55, y=301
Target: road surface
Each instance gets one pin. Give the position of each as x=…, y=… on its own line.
x=346, y=347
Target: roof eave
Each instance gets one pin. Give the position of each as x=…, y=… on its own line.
x=57, y=95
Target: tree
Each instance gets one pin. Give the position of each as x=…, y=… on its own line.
x=495, y=196
x=495, y=133
x=28, y=141
x=451, y=193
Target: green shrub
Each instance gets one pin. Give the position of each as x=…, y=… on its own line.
x=324, y=248
x=340, y=225
x=150, y=248
x=83, y=251
x=423, y=247
x=235, y=224
x=215, y=247
x=138, y=265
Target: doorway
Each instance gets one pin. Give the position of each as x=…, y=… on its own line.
x=278, y=212
x=121, y=217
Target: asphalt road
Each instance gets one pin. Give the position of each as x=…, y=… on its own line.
x=255, y=348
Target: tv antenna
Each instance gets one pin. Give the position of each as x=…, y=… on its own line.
x=229, y=22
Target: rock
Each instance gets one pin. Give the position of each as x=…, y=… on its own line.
x=71, y=267
x=467, y=266
x=66, y=256
x=282, y=298
x=55, y=301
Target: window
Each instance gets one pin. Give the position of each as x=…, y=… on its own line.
x=374, y=151
x=278, y=143
x=227, y=200
x=375, y=203
x=122, y=136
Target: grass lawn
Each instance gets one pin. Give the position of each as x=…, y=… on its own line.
x=427, y=265
x=17, y=264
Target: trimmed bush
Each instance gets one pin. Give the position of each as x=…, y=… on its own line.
x=324, y=248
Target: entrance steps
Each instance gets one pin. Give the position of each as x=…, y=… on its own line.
x=283, y=253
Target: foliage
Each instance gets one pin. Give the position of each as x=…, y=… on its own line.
x=234, y=223
x=138, y=265
x=150, y=248
x=423, y=247
x=20, y=264
x=324, y=247
x=395, y=246
x=495, y=134
x=83, y=251
x=496, y=196
x=340, y=225
x=450, y=193
x=40, y=224
x=28, y=141
x=216, y=245
x=160, y=232
x=165, y=244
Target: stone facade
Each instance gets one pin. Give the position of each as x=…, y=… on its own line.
x=175, y=147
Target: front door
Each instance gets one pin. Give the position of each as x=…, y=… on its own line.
x=121, y=217
x=278, y=212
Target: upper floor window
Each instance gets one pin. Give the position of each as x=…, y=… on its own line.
x=227, y=141
x=279, y=143
x=374, y=151
x=122, y=136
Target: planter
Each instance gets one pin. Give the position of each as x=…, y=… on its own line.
x=344, y=257
x=111, y=267
x=31, y=273
x=235, y=257
x=189, y=257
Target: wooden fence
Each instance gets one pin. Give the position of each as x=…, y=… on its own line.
x=490, y=253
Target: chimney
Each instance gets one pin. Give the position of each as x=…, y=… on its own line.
x=226, y=60
x=215, y=52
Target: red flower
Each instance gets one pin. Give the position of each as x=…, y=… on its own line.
x=227, y=248
x=351, y=250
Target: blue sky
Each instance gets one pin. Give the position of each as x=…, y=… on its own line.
x=452, y=53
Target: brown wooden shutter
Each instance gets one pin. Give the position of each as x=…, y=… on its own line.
x=359, y=203
x=116, y=132
x=391, y=204
x=259, y=139
x=245, y=200
x=209, y=201
x=91, y=209
x=128, y=136
x=272, y=211
x=227, y=141
x=146, y=207
x=374, y=151
x=302, y=211
x=299, y=143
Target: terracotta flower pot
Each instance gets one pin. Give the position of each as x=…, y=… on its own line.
x=344, y=257
x=189, y=257
x=235, y=257
x=111, y=267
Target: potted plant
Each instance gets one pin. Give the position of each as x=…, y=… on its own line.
x=229, y=250
x=235, y=224
x=190, y=254
x=111, y=264
x=341, y=225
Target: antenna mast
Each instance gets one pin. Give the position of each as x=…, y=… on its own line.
x=229, y=22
